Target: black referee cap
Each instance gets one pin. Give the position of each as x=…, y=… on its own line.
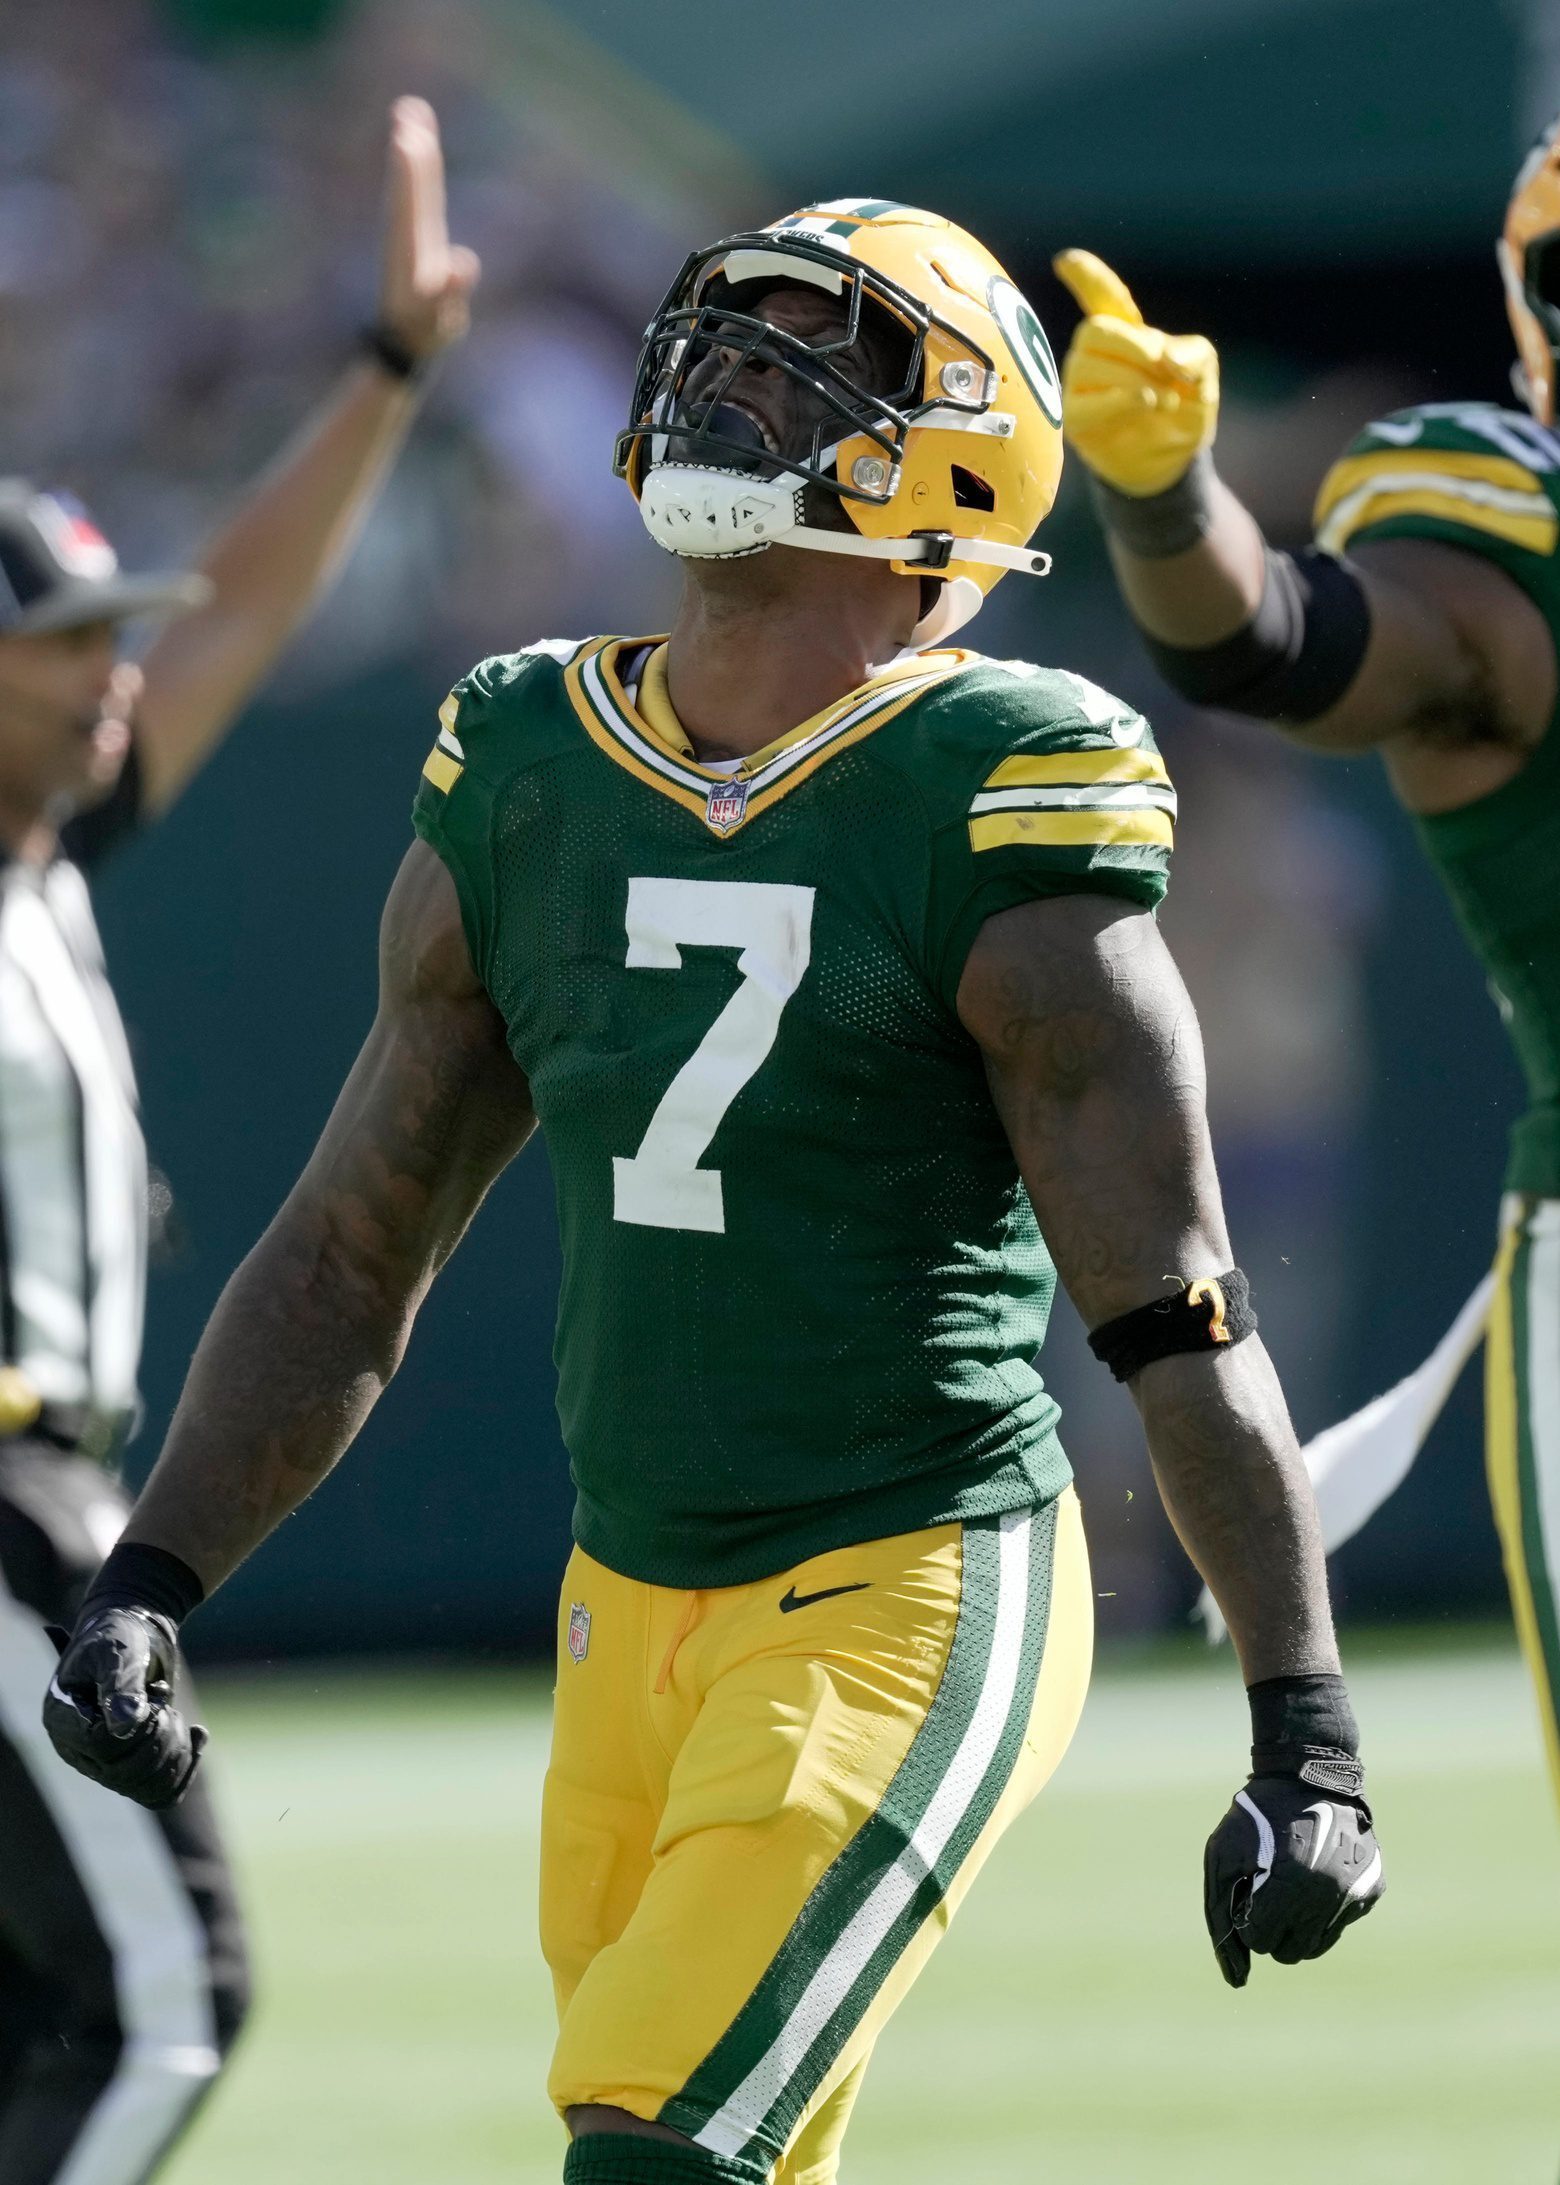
x=57, y=571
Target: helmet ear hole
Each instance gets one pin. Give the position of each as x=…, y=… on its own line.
x=970, y=491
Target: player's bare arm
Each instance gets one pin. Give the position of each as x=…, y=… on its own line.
x=1095, y=1061
x=1430, y=653
x=314, y=1322
x=270, y=561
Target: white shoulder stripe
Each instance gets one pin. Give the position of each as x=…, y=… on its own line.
x=1131, y=797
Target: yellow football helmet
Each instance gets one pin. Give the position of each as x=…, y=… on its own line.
x=944, y=476
x=1529, y=255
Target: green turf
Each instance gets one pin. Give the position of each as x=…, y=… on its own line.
x=1073, y=2028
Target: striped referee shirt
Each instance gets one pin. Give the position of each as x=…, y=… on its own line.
x=73, y=1197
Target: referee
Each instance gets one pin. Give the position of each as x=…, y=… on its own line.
x=123, y=1980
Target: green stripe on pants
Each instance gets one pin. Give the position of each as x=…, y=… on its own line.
x=754, y=2085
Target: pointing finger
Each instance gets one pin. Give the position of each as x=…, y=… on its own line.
x=414, y=190
x=1097, y=291
x=418, y=129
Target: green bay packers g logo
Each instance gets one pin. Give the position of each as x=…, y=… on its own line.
x=1026, y=338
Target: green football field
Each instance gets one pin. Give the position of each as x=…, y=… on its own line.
x=1073, y=2027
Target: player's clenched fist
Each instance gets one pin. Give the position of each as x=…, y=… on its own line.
x=109, y=1710
x=1137, y=404
x=1285, y=1871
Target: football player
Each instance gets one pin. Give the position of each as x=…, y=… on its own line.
x=822, y=950
x=1423, y=624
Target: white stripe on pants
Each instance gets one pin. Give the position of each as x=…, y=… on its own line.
x=1543, y=1376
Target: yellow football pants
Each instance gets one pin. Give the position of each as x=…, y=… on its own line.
x=765, y=1802
x=1522, y=1438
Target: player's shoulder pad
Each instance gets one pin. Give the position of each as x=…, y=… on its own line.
x=1471, y=467
x=485, y=713
x=1045, y=755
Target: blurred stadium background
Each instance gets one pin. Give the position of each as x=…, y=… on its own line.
x=185, y=247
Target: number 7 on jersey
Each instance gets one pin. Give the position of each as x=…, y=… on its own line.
x=662, y=1185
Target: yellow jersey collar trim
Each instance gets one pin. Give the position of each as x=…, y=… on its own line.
x=727, y=802
x=658, y=725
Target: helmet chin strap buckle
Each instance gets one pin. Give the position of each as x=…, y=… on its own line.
x=939, y=549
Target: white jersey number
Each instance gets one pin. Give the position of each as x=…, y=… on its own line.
x=662, y=1186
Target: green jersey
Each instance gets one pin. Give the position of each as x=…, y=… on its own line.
x=1486, y=480
x=802, y=1281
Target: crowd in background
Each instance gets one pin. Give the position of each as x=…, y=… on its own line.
x=187, y=242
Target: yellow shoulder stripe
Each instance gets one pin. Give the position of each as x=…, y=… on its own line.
x=448, y=711
x=1488, y=493
x=1071, y=830
x=1493, y=470
x=442, y=770
x=1034, y=770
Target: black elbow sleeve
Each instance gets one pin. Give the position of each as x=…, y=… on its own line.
x=1296, y=656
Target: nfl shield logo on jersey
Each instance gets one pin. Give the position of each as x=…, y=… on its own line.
x=579, y=1631
x=726, y=806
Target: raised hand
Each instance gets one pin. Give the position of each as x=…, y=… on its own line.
x=427, y=283
x=1138, y=405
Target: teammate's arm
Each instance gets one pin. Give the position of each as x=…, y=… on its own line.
x=273, y=558
x=307, y=1333
x=1095, y=1063
x=1405, y=641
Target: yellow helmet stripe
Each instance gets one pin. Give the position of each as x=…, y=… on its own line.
x=1071, y=830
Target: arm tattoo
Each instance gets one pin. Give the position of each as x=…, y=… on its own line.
x=1095, y=1064
x=313, y=1324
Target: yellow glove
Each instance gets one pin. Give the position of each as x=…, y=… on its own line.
x=1137, y=405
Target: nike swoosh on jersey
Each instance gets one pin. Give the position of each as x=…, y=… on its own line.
x=793, y=1599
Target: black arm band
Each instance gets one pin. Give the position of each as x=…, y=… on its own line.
x=1296, y=656
x=1158, y=525
x=1304, y=1726
x=391, y=354
x=1203, y=1315
x=138, y=1576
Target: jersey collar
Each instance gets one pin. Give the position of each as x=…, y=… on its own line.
x=647, y=739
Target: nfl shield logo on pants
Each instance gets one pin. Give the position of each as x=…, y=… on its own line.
x=579, y=1631
x=726, y=806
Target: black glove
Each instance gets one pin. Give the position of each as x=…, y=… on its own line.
x=109, y=1710
x=1294, y=1861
